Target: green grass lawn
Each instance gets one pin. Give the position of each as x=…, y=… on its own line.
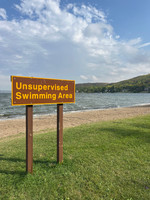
x=108, y=160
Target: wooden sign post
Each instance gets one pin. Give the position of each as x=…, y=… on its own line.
x=59, y=133
x=29, y=139
x=31, y=91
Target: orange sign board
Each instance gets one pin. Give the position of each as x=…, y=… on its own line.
x=33, y=91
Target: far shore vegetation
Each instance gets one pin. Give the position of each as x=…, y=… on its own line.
x=102, y=161
x=134, y=85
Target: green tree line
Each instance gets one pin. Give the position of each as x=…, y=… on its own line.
x=134, y=85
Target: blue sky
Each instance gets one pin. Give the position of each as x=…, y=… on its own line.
x=86, y=41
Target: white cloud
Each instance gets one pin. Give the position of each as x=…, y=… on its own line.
x=83, y=77
x=74, y=43
x=145, y=45
x=3, y=14
x=90, y=78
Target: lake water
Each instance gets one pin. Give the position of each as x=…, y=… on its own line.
x=84, y=101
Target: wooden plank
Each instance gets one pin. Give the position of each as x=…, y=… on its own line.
x=29, y=139
x=59, y=133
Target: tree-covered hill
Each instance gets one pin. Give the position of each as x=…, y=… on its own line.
x=137, y=84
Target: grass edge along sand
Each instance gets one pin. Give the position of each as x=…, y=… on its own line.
x=106, y=160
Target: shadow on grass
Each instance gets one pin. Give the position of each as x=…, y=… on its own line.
x=21, y=173
x=43, y=164
x=144, y=135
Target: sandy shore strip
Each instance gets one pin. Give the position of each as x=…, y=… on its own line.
x=42, y=123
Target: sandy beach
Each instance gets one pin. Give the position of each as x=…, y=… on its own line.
x=43, y=123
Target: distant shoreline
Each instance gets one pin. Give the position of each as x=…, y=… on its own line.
x=43, y=123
